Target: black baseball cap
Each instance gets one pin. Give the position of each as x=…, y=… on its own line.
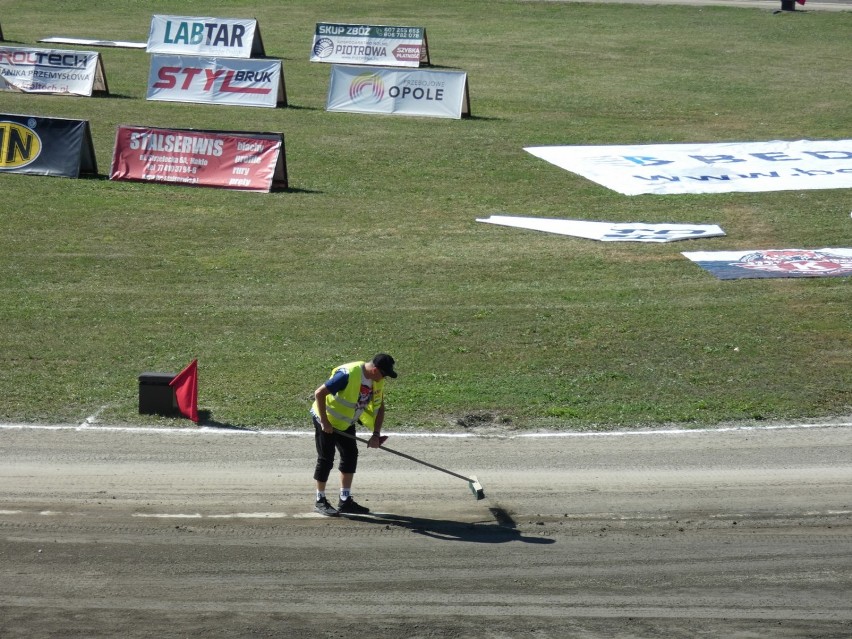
x=384, y=363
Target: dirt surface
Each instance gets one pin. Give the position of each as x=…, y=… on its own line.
x=205, y=533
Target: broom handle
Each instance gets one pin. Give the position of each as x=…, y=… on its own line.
x=414, y=459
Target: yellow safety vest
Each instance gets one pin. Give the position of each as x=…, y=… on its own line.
x=341, y=408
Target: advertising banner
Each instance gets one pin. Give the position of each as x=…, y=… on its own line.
x=224, y=37
x=364, y=44
x=732, y=265
x=86, y=42
x=439, y=94
x=709, y=168
x=610, y=231
x=232, y=81
x=46, y=146
x=30, y=70
x=237, y=160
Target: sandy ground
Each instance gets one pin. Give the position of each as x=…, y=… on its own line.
x=205, y=533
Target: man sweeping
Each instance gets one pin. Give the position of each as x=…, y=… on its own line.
x=353, y=394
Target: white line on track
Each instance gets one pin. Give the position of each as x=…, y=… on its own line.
x=209, y=430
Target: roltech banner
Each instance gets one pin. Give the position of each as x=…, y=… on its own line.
x=46, y=146
x=225, y=159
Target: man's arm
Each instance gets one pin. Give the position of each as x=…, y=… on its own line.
x=375, y=440
x=320, y=394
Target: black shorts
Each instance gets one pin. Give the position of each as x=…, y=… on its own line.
x=327, y=444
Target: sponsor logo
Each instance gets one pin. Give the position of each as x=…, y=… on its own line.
x=367, y=87
x=361, y=50
x=796, y=262
x=407, y=52
x=19, y=145
x=44, y=59
x=229, y=81
x=207, y=33
x=324, y=47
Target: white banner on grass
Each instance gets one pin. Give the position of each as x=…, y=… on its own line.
x=32, y=70
x=439, y=94
x=365, y=44
x=709, y=168
x=226, y=37
x=232, y=81
x=609, y=231
x=87, y=42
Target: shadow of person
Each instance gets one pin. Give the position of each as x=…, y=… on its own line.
x=501, y=531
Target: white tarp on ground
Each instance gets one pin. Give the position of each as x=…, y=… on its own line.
x=665, y=169
x=610, y=231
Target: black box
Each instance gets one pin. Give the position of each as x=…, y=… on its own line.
x=156, y=397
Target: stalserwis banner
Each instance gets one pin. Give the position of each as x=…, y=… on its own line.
x=374, y=45
x=232, y=81
x=30, y=70
x=224, y=37
x=709, y=168
x=439, y=94
x=226, y=159
x=46, y=146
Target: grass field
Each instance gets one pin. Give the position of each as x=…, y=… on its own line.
x=375, y=245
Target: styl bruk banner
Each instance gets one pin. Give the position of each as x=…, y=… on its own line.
x=665, y=169
x=231, y=81
x=439, y=94
x=30, y=70
x=224, y=37
x=374, y=45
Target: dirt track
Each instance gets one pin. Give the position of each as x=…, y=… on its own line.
x=107, y=533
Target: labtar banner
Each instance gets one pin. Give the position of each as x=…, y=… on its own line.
x=438, y=94
x=709, y=168
x=224, y=37
x=31, y=70
x=46, y=146
x=237, y=160
x=374, y=45
x=231, y=81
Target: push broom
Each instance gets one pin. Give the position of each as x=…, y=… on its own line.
x=472, y=482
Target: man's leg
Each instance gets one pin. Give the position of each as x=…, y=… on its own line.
x=325, y=445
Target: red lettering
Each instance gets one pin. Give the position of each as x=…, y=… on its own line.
x=211, y=78
x=167, y=77
x=190, y=73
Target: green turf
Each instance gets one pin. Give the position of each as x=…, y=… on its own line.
x=375, y=247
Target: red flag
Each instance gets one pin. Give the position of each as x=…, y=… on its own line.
x=185, y=384
x=801, y=1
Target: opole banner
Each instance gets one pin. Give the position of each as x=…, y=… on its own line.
x=232, y=81
x=46, y=146
x=226, y=37
x=365, y=44
x=439, y=94
x=226, y=159
x=31, y=70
